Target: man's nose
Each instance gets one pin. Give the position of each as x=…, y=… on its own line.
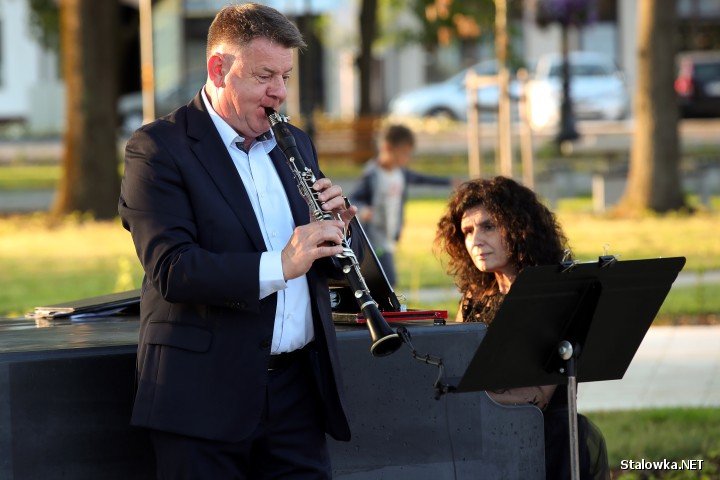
x=277, y=88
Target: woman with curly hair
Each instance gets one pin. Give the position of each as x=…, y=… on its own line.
x=491, y=230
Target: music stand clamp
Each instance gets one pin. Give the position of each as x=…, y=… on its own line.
x=569, y=323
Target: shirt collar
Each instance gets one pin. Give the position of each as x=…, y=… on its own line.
x=228, y=134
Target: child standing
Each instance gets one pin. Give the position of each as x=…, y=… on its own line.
x=382, y=192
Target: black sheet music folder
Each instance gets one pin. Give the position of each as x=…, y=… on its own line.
x=604, y=307
x=345, y=308
x=114, y=303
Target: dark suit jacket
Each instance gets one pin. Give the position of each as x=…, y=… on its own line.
x=205, y=337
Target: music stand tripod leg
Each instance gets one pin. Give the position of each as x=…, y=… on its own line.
x=569, y=355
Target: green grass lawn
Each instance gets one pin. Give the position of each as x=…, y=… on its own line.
x=21, y=177
x=654, y=435
x=44, y=263
x=50, y=263
x=693, y=237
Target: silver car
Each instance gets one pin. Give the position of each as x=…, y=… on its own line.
x=597, y=89
x=448, y=98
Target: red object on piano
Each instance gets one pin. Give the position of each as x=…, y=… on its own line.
x=437, y=316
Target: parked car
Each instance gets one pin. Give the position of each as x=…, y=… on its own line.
x=597, y=89
x=449, y=97
x=698, y=83
x=130, y=106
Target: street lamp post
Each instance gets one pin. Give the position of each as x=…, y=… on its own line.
x=567, y=132
x=566, y=13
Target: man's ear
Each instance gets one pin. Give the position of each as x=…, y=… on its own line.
x=216, y=69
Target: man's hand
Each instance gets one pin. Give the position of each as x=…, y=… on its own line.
x=310, y=242
x=331, y=198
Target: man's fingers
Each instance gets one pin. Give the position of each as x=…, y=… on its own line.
x=328, y=251
x=349, y=213
x=310, y=242
x=322, y=184
x=336, y=204
x=327, y=231
x=330, y=194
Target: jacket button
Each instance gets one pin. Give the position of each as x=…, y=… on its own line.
x=265, y=344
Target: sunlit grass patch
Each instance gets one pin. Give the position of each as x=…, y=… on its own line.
x=43, y=262
x=692, y=236
x=21, y=177
x=657, y=434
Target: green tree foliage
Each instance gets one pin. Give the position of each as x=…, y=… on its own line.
x=445, y=21
x=45, y=23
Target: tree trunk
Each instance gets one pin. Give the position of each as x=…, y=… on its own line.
x=368, y=32
x=90, y=181
x=654, y=176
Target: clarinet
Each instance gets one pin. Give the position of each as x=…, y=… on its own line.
x=385, y=341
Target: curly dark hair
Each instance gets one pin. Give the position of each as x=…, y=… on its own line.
x=530, y=230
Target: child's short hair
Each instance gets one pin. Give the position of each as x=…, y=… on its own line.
x=399, y=135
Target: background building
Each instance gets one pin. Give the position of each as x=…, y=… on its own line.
x=31, y=89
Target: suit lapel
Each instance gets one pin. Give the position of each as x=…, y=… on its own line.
x=214, y=157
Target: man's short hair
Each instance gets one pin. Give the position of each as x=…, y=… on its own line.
x=242, y=23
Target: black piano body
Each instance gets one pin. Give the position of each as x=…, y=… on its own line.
x=66, y=391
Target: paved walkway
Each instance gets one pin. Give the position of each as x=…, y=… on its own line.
x=22, y=201
x=674, y=367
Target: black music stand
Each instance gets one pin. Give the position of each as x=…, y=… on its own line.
x=569, y=323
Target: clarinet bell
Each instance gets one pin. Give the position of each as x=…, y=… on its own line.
x=385, y=341
x=386, y=345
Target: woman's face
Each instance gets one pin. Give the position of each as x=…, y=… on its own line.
x=485, y=244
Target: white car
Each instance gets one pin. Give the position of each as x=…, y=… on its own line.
x=130, y=107
x=597, y=89
x=448, y=98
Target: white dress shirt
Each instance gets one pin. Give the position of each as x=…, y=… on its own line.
x=293, y=317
